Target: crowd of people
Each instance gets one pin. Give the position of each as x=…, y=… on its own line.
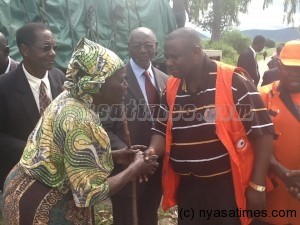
x=203, y=137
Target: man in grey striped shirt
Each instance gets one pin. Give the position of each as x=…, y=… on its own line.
x=198, y=156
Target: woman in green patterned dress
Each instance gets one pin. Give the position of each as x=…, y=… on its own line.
x=66, y=163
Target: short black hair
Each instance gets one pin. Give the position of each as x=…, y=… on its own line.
x=259, y=39
x=27, y=34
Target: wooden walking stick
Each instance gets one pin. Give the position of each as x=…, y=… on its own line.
x=133, y=183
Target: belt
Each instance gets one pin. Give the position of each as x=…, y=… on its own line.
x=205, y=176
x=224, y=176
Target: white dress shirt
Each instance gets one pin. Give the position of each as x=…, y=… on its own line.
x=138, y=72
x=254, y=52
x=35, y=83
x=8, y=66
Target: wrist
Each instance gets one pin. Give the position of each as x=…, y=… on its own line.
x=256, y=187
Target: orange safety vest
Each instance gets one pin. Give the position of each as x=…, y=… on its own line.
x=286, y=151
x=230, y=131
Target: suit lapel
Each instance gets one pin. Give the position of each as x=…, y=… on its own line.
x=159, y=82
x=26, y=96
x=133, y=84
x=14, y=65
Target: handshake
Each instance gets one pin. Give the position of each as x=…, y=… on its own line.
x=143, y=162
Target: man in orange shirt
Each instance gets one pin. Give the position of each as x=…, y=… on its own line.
x=283, y=101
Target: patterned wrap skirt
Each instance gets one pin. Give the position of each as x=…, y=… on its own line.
x=29, y=202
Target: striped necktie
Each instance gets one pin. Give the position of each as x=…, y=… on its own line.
x=44, y=99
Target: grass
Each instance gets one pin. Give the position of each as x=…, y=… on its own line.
x=103, y=214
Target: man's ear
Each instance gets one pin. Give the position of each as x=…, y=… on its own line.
x=6, y=51
x=24, y=50
x=197, y=50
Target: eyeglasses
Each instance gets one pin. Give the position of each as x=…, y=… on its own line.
x=138, y=47
x=45, y=48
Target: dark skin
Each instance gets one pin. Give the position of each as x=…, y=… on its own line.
x=142, y=46
x=184, y=55
x=4, y=52
x=132, y=158
x=290, y=82
x=36, y=60
x=258, y=47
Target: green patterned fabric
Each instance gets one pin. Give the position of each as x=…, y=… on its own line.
x=90, y=65
x=69, y=149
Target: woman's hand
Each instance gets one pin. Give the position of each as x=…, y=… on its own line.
x=144, y=167
x=126, y=156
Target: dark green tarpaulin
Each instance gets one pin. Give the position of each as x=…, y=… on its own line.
x=108, y=22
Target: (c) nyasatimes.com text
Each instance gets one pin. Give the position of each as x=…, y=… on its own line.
x=208, y=214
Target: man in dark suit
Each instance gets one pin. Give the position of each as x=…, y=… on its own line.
x=20, y=100
x=142, y=46
x=6, y=63
x=270, y=76
x=247, y=59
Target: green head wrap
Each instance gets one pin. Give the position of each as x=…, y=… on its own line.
x=90, y=65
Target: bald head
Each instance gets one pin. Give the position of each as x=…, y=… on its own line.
x=3, y=41
x=142, y=46
x=142, y=30
x=184, y=54
x=188, y=35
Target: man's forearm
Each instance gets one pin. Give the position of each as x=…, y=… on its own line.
x=158, y=145
x=263, y=149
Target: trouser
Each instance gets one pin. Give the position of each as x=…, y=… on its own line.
x=206, y=201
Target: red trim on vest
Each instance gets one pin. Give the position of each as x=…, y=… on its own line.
x=230, y=131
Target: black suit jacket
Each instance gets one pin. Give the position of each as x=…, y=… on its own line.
x=13, y=65
x=270, y=76
x=139, y=119
x=19, y=114
x=248, y=62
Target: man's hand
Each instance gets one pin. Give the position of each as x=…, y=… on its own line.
x=255, y=200
x=149, y=155
x=126, y=156
x=291, y=178
x=293, y=183
x=145, y=167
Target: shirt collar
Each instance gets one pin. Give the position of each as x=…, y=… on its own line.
x=254, y=52
x=8, y=66
x=34, y=81
x=138, y=71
